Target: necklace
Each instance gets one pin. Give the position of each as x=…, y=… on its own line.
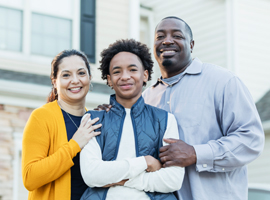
x=68, y=115
x=71, y=119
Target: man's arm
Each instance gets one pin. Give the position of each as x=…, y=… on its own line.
x=166, y=179
x=243, y=135
x=243, y=138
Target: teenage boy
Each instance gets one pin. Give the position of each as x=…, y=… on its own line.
x=122, y=162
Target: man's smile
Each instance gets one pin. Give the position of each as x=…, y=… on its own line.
x=167, y=52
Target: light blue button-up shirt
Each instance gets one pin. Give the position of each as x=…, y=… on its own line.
x=216, y=114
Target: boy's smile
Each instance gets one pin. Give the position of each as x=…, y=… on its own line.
x=127, y=76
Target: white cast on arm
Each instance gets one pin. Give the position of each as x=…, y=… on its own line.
x=97, y=173
x=165, y=180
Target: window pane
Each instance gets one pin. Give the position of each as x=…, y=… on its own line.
x=50, y=46
x=14, y=20
x=3, y=15
x=62, y=44
x=36, y=43
x=50, y=26
x=37, y=24
x=13, y=38
x=10, y=29
x=50, y=35
x=64, y=29
x=2, y=39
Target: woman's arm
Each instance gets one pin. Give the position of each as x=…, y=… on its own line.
x=39, y=168
x=165, y=180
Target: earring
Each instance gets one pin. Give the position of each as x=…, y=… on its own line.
x=91, y=87
x=55, y=91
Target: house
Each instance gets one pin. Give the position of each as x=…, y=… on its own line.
x=230, y=33
x=258, y=170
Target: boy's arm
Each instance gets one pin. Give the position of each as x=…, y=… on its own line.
x=99, y=173
x=165, y=180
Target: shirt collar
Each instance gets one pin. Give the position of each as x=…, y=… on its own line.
x=194, y=68
x=136, y=109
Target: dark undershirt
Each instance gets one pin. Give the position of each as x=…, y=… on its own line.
x=77, y=184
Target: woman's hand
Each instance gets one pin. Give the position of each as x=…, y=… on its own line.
x=86, y=131
x=152, y=164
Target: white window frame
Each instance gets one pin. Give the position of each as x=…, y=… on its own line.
x=16, y=163
x=149, y=15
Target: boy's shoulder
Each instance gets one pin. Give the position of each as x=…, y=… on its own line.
x=155, y=110
x=96, y=113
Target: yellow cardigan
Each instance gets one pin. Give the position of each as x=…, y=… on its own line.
x=47, y=155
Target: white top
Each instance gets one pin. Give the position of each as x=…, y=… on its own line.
x=97, y=173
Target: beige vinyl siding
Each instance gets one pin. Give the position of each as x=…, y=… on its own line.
x=111, y=25
x=253, y=45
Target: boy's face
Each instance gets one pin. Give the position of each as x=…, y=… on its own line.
x=126, y=77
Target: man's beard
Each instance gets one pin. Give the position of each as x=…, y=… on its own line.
x=167, y=63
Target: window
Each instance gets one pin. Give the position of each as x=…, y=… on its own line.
x=10, y=29
x=144, y=31
x=50, y=35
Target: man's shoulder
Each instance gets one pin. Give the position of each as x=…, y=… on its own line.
x=148, y=90
x=216, y=71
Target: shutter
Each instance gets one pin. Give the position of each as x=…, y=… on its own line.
x=88, y=29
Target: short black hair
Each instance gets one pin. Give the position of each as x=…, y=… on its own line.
x=125, y=45
x=187, y=26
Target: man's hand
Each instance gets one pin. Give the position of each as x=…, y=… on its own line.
x=177, y=153
x=106, y=107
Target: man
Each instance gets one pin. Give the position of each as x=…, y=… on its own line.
x=219, y=127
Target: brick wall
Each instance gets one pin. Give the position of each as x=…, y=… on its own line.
x=12, y=119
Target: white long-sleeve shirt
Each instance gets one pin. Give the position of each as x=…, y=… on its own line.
x=97, y=173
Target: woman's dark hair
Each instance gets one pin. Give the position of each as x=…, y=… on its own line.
x=127, y=45
x=55, y=67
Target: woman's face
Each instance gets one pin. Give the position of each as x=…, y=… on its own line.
x=73, y=80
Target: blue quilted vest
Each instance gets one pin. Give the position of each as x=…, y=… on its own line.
x=149, y=125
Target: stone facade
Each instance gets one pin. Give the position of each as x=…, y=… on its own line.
x=12, y=120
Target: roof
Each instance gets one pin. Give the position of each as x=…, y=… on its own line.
x=263, y=107
x=45, y=80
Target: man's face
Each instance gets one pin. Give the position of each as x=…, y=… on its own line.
x=172, y=46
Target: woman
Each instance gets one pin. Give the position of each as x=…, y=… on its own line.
x=53, y=136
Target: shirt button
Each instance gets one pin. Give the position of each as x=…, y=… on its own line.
x=168, y=102
x=223, y=169
x=170, y=85
x=204, y=165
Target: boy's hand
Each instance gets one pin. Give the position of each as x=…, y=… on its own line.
x=152, y=164
x=114, y=184
x=106, y=107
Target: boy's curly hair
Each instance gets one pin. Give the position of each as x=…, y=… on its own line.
x=127, y=45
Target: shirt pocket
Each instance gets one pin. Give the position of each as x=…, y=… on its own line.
x=189, y=114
